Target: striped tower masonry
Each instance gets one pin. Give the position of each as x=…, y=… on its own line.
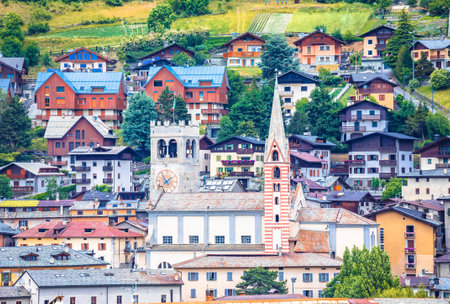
x=277, y=195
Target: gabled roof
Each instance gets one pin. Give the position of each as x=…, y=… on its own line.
x=190, y=77
x=437, y=44
x=186, y=50
x=312, y=185
x=301, y=74
x=321, y=33
x=376, y=78
x=414, y=282
x=443, y=259
x=13, y=292
x=154, y=62
x=361, y=102
x=248, y=34
x=92, y=195
x=439, y=172
x=251, y=140
x=339, y=216
x=313, y=140
x=349, y=196
x=375, y=29
x=312, y=241
x=82, y=229
x=80, y=49
x=433, y=144
x=426, y=204
x=5, y=229
x=306, y=157
x=414, y=214
x=10, y=257
x=16, y=63
x=35, y=168
x=388, y=134
x=364, y=77
x=59, y=126
x=83, y=83
x=295, y=260
x=102, y=277
x=102, y=150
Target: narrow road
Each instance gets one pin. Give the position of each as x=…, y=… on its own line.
x=407, y=96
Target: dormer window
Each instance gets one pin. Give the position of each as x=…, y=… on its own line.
x=88, y=230
x=30, y=256
x=63, y=256
x=42, y=230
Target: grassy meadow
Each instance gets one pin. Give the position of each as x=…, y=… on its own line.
x=441, y=96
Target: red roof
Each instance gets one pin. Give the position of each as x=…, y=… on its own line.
x=75, y=229
x=307, y=157
x=312, y=241
x=321, y=33
x=242, y=36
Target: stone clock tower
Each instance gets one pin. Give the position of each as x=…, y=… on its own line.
x=174, y=165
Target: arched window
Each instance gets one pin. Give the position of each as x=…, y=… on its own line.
x=172, y=148
x=164, y=265
x=276, y=201
x=276, y=172
x=193, y=149
x=188, y=148
x=276, y=187
x=277, y=218
x=275, y=156
x=162, y=148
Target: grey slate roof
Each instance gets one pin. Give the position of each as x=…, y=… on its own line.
x=435, y=44
x=417, y=215
x=14, y=62
x=58, y=126
x=389, y=134
x=348, y=196
x=112, y=150
x=5, y=229
x=102, y=277
x=443, y=259
x=13, y=292
x=10, y=257
x=225, y=201
x=440, y=172
x=311, y=139
x=101, y=196
x=363, y=77
x=251, y=140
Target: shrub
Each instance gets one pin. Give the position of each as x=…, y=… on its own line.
x=38, y=28
x=114, y=2
x=440, y=79
x=40, y=14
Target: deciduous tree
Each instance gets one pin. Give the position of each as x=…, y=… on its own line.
x=440, y=79
x=237, y=87
x=278, y=55
x=299, y=122
x=226, y=128
x=257, y=281
x=397, y=119
x=160, y=18
x=393, y=189
x=136, y=126
x=247, y=129
x=437, y=123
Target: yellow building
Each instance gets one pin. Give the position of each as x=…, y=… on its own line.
x=15, y=260
x=375, y=40
x=409, y=239
x=107, y=243
x=112, y=213
x=437, y=51
x=375, y=85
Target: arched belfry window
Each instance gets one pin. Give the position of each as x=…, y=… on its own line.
x=172, y=148
x=162, y=148
x=193, y=149
x=276, y=172
x=275, y=156
x=276, y=187
x=188, y=148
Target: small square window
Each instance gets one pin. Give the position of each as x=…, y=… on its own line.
x=220, y=239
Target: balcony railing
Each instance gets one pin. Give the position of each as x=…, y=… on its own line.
x=355, y=162
x=410, y=265
x=138, y=88
x=244, y=151
x=58, y=163
x=81, y=168
x=139, y=78
x=111, y=117
x=352, y=128
x=437, y=57
x=443, y=153
x=380, y=46
x=214, y=111
x=366, y=117
x=387, y=175
x=388, y=162
x=442, y=166
x=210, y=122
x=81, y=181
x=107, y=168
x=387, y=149
x=241, y=162
x=23, y=189
x=16, y=176
x=107, y=180
x=410, y=250
x=241, y=54
x=410, y=235
x=244, y=174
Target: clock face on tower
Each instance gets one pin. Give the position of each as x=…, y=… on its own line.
x=166, y=180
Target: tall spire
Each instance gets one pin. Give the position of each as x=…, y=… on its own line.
x=276, y=130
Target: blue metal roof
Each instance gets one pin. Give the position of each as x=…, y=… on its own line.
x=5, y=85
x=82, y=83
x=190, y=77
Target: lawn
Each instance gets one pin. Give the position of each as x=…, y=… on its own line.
x=277, y=23
x=340, y=16
x=350, y=92
x=441, y=96
x=101, y=31
x=248, y=72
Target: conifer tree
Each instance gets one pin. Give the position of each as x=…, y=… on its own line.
x=5, y=187
x=402, y=37
x=258, y=281
x=277, y=56
x=226, y=128
x=416, y=125
x=403, y=66
x=15, y=126
x=170, y=107
x=423, y=67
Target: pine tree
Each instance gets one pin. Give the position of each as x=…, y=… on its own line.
x=165, y=105
x=5, y=187
x=403, y=66
x=258, y=281
x=227, y=129
x=247, y=129
x=278, y=55
x=402, y=37
x=423, y=67
x=136, y=126
x=416, y=125
x=181, y=112
x=15, y=126
x=237, y=87
x=397, y=119
x=299, y=122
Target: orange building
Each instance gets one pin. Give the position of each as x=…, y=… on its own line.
x=319, y=48
x=244, y=50
x=204, y=89
x=409, y=238
x=437, y=51
x=90, y=94
x=112, y=213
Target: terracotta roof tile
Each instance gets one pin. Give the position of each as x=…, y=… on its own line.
x=332, y=215
x=307, y=157
x=312, y=241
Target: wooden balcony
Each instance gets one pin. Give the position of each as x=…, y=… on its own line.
x=81, y=181
x=365, y=117
x=241, y=162
x=139, y=78
x=58, y=163
x=111, y=117
x=410, y=250
x=388, y=162
x=410, y=266
x=355, y=162
x=214, y=111
x=410, y=235
x=442, y=166
x=380, y=46
x=387, y=175
x=387, y=149
x=107, y=180
x=42, y=117
x=436, y=57
x=107, y=168
x=241, y=54
x=244, y=151
x=210, y=122
x=352, y=129
x=81, y=169
x=16, y=176
x=138, y=88
x=23, y=189
x=243, y=174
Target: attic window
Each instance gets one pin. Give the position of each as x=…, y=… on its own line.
x=88, y=230
x=98, y=89
x=30, y=257
x=42, y=230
